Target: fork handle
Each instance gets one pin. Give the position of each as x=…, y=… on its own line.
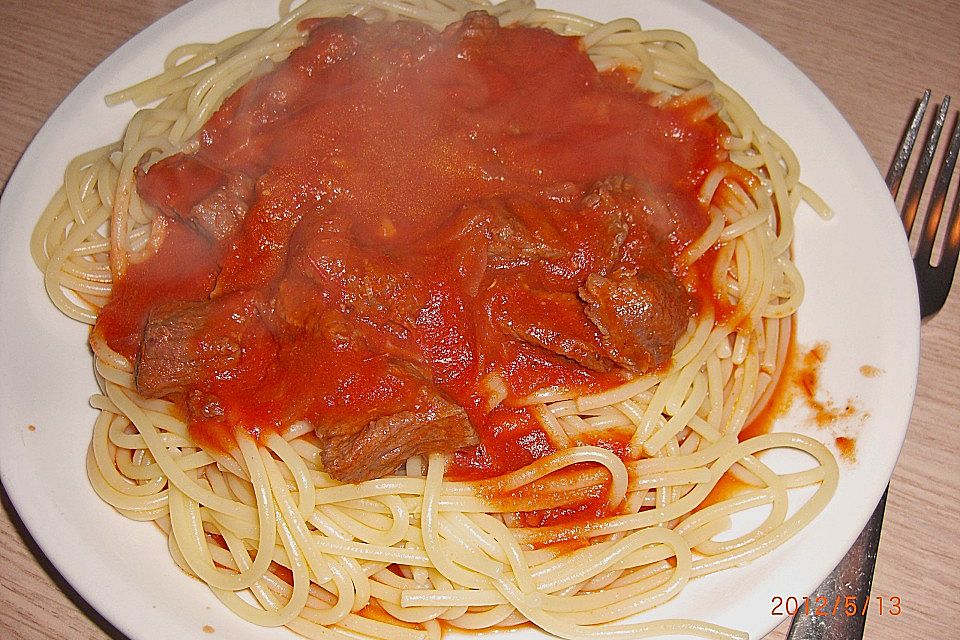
x=852, y=577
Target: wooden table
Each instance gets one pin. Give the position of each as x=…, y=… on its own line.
x=871, y=58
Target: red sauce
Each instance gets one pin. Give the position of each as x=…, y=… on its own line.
x=778, y=403
x=373, y=611
x=808, y=373
x=614, y=440
x=727, y=487
x=380, y=134
x=870, y=371
x=847, y=447
x=592, y=502
x=782, y=396
x=588, y=504
x=183, y=268
x=282, y=572
x=799, y=378
x=825, y=411
x=513, y=439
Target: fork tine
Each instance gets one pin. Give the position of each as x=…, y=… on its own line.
x=940, y=278
x=910, y=204
x=938, y=198
x=951, y=243
x=899, y=164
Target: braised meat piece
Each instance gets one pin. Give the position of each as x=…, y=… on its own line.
x=514, y=232
x=610, y=252
x=554, y=321
x=178, y=352
x=655, y=216
x=518, y=233
x=186, y=187
x=639, y=314
x=368, y=422
x=170, y=353
x=473, y=32
x=363, y=386
x=614, y=193
x=220, y=214
x=612, y=202
x=367, y=289
x=177, y=183
x=243, y=129
x=300, y=308
x=431, y=425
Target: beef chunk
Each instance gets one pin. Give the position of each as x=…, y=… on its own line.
x=518, y=234
x=184, y=186
x=515, y=232
x=332, y=279
x=554, y=321
x=613, y=193
x=220, y=213
x=652, y=212
x=473, y=32
x=639, y=314
x=303, y=310
x=176, y=183
x=170, y=352
x=368, y=387
x=432, y=424
x=613, y=200
x=178, y=353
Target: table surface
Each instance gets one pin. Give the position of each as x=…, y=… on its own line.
x=870, y=57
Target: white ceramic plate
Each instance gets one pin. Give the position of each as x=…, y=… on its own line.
x=856, y=267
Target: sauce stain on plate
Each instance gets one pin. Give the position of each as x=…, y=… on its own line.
x=870, y=371
x=847, y=448
x=802, y=380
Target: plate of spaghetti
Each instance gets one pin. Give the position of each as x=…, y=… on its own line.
x=418, y=318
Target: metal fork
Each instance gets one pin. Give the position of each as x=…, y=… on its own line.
x=854, y=575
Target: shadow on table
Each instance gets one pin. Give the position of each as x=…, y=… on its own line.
x=59, y=580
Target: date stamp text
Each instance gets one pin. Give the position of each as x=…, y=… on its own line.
x=838, y=605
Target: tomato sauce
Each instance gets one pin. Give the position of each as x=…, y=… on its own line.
x=727, y=487
x=366, y=147
x=847, y=447
x=183, y=268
